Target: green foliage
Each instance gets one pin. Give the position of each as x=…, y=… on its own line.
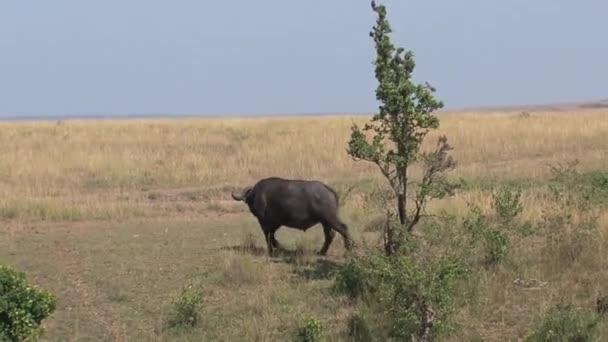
x=494, y=237
x=358, y=277
x=566, y=323
x=599, y=186
x=310, y=330
x=405, y=117
x=507, y=203
x=405, y=110
x=497, y=244
x=22, y=306
x=397, y=239
x=186, y=308
x=354, y=279
x=584, y=189
x=414, y=295
x=359, y=329
x=420, y=296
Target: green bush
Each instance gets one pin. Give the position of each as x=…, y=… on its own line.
x=497, y=246
x=186, y=308
x=310, y=330
x=22, y=306
x=507, y=204
x=566, y=323
x=414, y=295
x=419, y=296
x=599, y=186
x=582, y=189
x=494, y=237
x=354, y=279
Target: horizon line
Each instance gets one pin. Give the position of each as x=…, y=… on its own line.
x=552, y=106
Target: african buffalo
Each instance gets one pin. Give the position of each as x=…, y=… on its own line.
x=298, y=204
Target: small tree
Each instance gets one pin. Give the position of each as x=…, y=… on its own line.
x=404, y=119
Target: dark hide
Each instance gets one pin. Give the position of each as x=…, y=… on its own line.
x=298, y=204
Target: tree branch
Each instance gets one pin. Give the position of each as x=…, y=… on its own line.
x=419, y=203
x=437, y=163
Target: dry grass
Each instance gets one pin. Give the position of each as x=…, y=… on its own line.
x=115, y=216
x=83, y=170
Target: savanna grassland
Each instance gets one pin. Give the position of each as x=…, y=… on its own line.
x=116, y=217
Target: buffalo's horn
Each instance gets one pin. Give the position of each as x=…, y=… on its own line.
x=240, y=196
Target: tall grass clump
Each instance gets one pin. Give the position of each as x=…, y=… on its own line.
x=186, y=309
x=309, y=330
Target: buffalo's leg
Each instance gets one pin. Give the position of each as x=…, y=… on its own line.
x=268, y=242
x=341, y=228
x=273, y=239
x=266, y=230
x=329, y=237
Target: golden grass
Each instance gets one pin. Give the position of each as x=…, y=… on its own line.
x=161, y=189
x=98, y=169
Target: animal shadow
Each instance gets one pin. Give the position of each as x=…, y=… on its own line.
x=281, y=254
x=304, y=265
x=246, y=249
x=320, y=269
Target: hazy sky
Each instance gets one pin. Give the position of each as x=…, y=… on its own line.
x=263, y=56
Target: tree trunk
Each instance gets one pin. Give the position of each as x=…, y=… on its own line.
x=389, y=236
x=401, y=208
x=395, y=237
x=402, y=195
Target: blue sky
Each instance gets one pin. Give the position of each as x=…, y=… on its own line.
x=74, y=57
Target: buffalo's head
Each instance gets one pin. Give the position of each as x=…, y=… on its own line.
x=243, y=194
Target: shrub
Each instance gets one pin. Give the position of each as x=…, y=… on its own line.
x=566, y=323
x=507, y=203
x=414, y=295
x=353, y=279
x=497, y=246
x=495, y=240
x=22, y=306
x=586, y=190
x=310, y=330
x=419, y=297
x=186, y=308
x=599, y=186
